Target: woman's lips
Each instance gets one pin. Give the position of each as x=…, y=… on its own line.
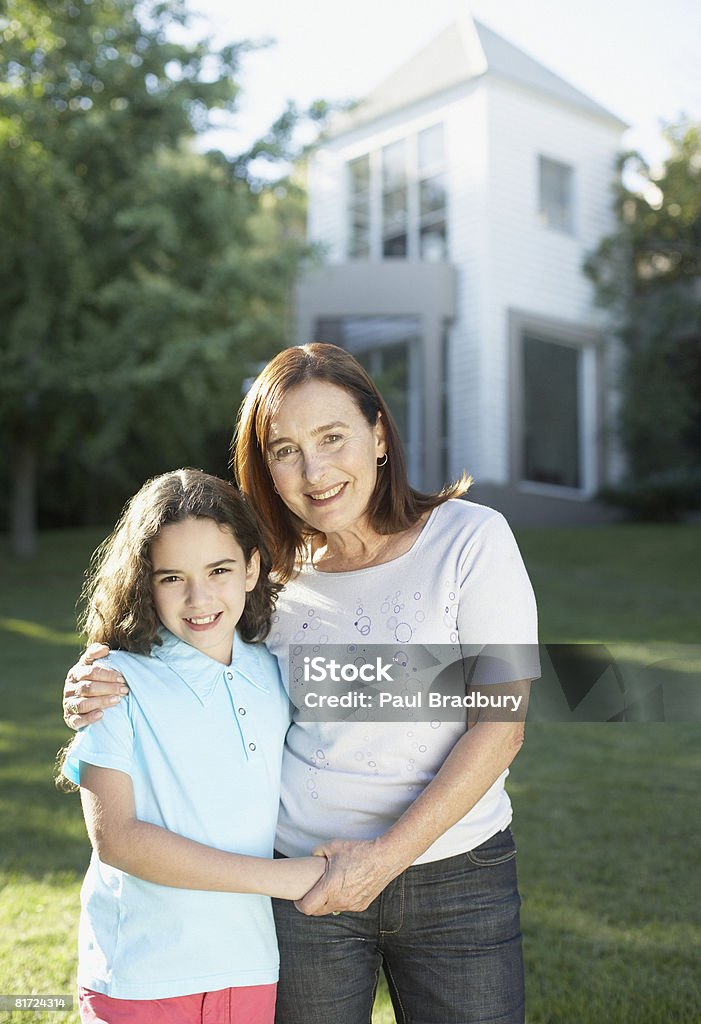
x=328, y=495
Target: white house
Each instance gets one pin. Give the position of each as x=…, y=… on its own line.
x=456, y=205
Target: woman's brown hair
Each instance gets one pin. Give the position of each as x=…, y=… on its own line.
x=394, y=505
x=117, y=596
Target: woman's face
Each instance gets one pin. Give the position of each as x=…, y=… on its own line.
x=323, y=454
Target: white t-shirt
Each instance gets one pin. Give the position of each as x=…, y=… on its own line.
x=463, y=582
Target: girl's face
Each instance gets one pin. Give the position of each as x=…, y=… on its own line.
x=323, y=454
x=199, y=583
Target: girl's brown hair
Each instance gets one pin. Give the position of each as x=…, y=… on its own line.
x=394, y=505
x=117, y=596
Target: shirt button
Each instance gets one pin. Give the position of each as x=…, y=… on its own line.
x=242, y=711
x=229, y=675
x=251, y=746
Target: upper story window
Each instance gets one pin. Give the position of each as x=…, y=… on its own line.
x=432, y=194
x=556, y=195
x=359, y=208
x=397, y=200
x=395, y=195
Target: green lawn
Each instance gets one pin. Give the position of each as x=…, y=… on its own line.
x=605, y=815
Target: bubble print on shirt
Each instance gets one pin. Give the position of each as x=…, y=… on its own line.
x=450, y=615
x=310, y=630
x=419, y=614
x=363, y=622
x=394, y=607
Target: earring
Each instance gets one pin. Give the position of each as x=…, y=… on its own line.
x=383, y=461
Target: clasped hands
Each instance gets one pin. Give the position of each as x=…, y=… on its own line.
x=355, y=875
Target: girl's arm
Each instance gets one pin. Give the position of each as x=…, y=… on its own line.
x=157, y=855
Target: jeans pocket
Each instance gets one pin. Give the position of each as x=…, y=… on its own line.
x=498, y=849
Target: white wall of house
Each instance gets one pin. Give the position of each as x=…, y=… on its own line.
x=531, y=267
x=507, y=260
x=468, y=239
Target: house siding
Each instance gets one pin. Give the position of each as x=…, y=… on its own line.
x=533, y=268
x=466, y=132
x=508, y=265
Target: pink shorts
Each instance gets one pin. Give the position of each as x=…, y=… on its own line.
x=253, y=1004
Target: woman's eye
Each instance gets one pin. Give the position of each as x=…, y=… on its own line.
x=220, y=570
x=333, y=438
x=284, y=454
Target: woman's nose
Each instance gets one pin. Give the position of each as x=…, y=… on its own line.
x=314, y=466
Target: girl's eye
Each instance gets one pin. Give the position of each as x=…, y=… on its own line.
x=170, y=579
x=220, y=570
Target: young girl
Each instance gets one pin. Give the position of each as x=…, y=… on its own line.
x=191, y=756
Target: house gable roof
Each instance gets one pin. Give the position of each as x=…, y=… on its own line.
x=464, y=51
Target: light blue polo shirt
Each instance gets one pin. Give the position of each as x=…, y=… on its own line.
x=202, y=743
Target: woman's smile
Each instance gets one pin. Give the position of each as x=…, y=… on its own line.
x=324, y=497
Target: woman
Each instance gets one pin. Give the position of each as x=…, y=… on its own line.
x=421, y=877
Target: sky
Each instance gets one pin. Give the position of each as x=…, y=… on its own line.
x=639, y=58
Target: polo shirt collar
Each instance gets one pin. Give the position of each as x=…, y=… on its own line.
x=201, y=673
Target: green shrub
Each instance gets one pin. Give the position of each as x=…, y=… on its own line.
x=659, y=497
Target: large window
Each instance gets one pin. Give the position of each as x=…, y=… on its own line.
x=432, y=221
x=552, y=412
x=556, y=195
x=395, y=196
x=389, y=349
x=445, y=403
x=359, y=208
x=397, y=200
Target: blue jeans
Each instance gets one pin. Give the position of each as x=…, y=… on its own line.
x=447, y=935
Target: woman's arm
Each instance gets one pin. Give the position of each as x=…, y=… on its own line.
x=157, y=855
x=89, y=689
x=358, y=871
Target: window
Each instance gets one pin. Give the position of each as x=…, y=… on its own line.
x=359, y=208
x=394, y=200
x=552, y=412
x=397, y=201
x=431, y=160
x=445, y=403
x=556, y=195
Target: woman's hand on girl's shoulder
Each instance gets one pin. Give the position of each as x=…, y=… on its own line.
x=89, y=688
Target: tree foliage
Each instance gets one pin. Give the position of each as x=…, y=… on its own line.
x=649, y=274
x=139, y=279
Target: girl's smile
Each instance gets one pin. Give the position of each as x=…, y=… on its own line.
x=203, y=623
x=199, y=582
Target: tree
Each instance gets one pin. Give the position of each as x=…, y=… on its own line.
x=649, y=274
x=138, y=279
